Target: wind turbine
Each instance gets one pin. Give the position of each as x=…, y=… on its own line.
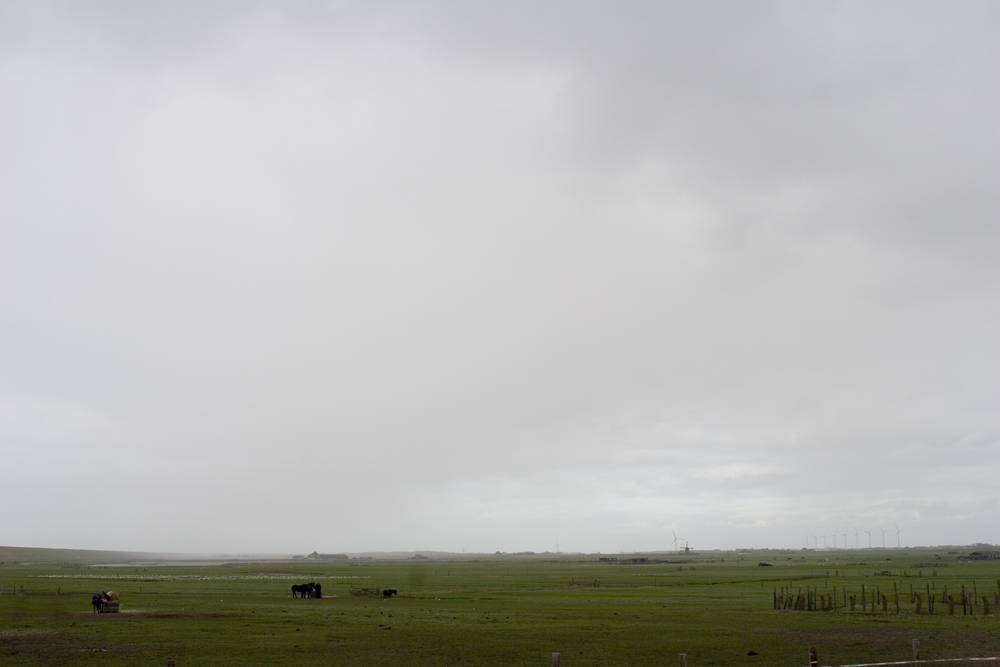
x=883, y=535
x=869, y=538
x=844, y=535
x=897, y=535
x=855, y=538
x=676, y=541
x=824, y=542
x=807, y=540
x=815, y=541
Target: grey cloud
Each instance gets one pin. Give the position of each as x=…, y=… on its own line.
x=586, y=272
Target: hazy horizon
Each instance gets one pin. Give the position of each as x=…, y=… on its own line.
x=8, y=552
x=346, y=276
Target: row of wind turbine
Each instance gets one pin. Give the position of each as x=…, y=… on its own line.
x=817, y=538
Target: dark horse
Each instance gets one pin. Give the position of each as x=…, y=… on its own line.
x=304, y=590
x=388, y=592
x=99, y=600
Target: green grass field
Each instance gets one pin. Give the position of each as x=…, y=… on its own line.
x=716, y=608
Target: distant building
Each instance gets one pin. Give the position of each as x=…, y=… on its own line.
x=318, y=556
x=608, y=560
x=984, y=555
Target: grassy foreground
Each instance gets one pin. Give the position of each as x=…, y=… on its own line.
x=716, y=608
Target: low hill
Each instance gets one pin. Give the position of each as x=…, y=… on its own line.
x=12, y=555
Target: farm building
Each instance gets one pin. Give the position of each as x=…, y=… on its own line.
x=318, y=556
x=984, y=555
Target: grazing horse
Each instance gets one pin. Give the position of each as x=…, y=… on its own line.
x=317, y=591
x=99, y=600
x=305, y=590
x=389, y=592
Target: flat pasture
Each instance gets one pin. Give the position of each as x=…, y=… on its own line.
x=717, y=608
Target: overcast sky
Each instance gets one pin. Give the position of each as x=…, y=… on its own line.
x=277, y=277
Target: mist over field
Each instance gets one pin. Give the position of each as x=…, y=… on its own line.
x=339, y=276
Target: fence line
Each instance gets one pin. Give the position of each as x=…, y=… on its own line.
x=812, y=599
x=921, y=662
x=21, y=590
x=916, y=662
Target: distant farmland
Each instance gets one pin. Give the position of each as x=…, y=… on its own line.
x=718, y=609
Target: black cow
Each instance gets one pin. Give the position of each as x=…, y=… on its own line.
x=99, y=600
x=304, y=590
x=389, y=592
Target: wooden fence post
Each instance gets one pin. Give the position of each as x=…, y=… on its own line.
x=813, y=659
x=555, y=660
x=916, y=650
x=683, y=659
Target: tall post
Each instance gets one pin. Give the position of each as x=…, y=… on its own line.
x=813, y=660
x=916, y=650
x=555, y=659
x=684, y=659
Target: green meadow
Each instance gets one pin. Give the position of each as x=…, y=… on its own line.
x=717, y=608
